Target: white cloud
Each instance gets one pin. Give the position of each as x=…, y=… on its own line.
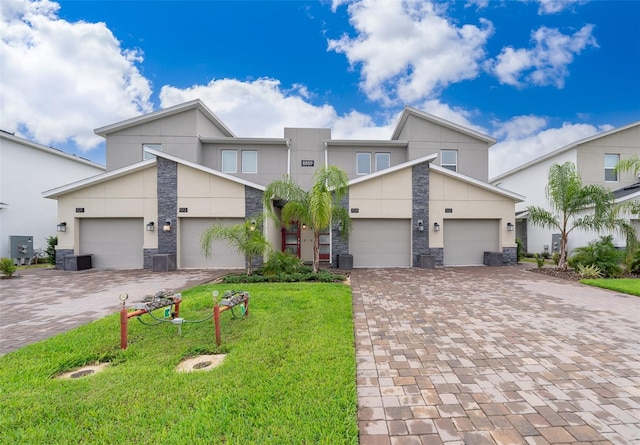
x=60, y=80
x=408, y=50
x=262, y=108
x=556, y=6
x=546, y=63
x=519, y=147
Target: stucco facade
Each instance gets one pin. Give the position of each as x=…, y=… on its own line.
x=183, y=169
x=26, y=170
x=589, y=156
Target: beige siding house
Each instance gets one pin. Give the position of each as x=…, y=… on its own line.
x=418, y=198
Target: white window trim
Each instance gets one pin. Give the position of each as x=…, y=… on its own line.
x=357, y=164
x=388, y=157
x=617, y=179
x=442, y=164
x=146, y=155
x=242, y=157
x=222, y=152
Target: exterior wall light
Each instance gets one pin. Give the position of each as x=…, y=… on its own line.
x=151, y=226
x=62, y=227
x=167, y=226
x=304, y=226
x=420, y=225
x=252, y=227
x=340, y=226
x=436, y=227
x=510, y=227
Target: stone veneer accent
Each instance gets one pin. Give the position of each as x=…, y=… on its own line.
x=438, y=254
x=253, y=208
x=167, y=211
x=60, y=254
x=420, y=188
x=339, y=244
x=510, y=256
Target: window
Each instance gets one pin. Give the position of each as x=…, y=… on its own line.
x=449, y=159
x=229, y=161
x=363, y=163
x=146, y=155
x=610, y=162
x=249, y=161
x=383, y=160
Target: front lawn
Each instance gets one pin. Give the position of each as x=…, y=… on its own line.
x=625, y=285
x=288, y=377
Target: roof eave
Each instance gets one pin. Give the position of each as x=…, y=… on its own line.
x=393, y=169
x=485, y=185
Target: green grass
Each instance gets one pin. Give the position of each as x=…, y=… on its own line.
x=629, y=286
x=288, y=378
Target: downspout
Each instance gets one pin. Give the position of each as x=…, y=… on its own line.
x=289, y=158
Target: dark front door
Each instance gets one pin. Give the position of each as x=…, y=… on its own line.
x=291, y=239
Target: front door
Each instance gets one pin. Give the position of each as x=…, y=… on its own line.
x=291, y=239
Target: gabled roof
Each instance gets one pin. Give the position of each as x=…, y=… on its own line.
x=139, y=166
x=393, y=169
x=176, y=109
x=409, y=111
x=50, y=150
x=563, y=149
x=481, y=184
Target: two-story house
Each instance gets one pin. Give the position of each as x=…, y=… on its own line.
x=172, y=173
x=26, y=169
x=595, y=158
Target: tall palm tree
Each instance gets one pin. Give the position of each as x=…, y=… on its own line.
x=315, y=208
x=631, y=165
x=247, y=238
x=575, y=206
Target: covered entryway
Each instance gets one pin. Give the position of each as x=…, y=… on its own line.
x=381, y=242
x=222, y=256
x=113, y=242
x=466, y=240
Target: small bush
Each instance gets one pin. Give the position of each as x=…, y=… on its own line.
x=323, y=276
x=52, y=242
x=591, y=271
x=556, y=258
x=539, y=260
x=519, y=250
x=633, y=264
x=601, y=253
x=7, y=268
x=281, y=263
x=546, y=255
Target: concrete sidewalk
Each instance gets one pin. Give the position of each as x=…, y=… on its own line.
x=494, y=356
x=40, y=303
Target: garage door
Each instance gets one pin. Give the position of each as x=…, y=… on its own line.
x=465, y=241
x=114, y=242
x=381, y=243
x=222, y=256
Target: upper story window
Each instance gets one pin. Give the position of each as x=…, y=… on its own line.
x=146, y=155
x=383, y=160
x=449, y=159
x=249, y=161
x=229, y=161
x=363, y=163
x=610, y=162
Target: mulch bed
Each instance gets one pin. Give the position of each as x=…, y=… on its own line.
x=568, y=274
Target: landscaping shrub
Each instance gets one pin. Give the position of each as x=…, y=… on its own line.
x=556, y=258
x=519, y=251
x=539, y=260
x=323, y=276
x=52, y=242
x=7, y=268
x=591, y=271
x=601, y=253
x=282, y=263
x=633, y=264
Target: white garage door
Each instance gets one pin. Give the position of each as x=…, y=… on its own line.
x=465, y=241
x=114, y=242
x=222, y=256
x=381, y=243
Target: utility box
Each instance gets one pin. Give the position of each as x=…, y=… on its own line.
x=427, y=261
x=163, y=262
x=493, y=258
x=345, y=261
x=21, y=248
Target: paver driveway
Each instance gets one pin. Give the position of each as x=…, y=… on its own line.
x=494, y=356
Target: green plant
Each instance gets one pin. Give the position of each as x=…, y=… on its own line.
x=590, y=271
x=633, y=261
x=247, y=238
x=576, y=206
x=519, y=249
x=7, y=268
x=52, y=242
x=555, y=258
x=601, y=253
x=316, y=208
x=539, y=260
x=281, y=263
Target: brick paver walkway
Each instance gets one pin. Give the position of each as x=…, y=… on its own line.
x=494, y=356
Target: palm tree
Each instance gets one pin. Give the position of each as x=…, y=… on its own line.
x=247, y=238
x=630, y=165
x=315, y=208
x=575, y=206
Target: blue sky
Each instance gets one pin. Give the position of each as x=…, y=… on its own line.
x=535, y=74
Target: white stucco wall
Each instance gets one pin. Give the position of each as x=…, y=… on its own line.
x=26, y=170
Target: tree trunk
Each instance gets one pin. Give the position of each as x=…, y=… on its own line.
x=562, y=262
x=316, y=251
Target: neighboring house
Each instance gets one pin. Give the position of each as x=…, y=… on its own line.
x=172, y=173
x=26, y=170
x=595, y=158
